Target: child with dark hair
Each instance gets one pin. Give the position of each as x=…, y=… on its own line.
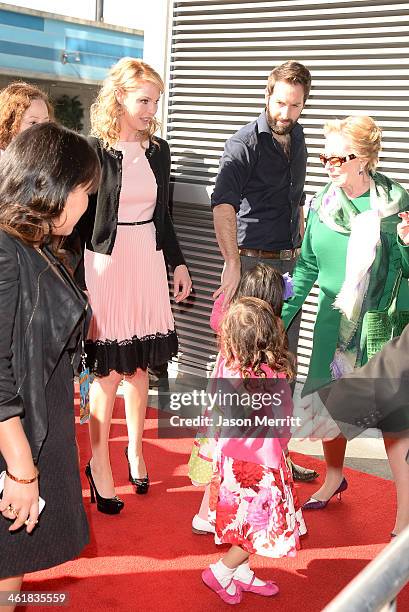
x=264, y=282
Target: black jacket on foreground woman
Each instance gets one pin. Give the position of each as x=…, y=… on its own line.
x=39, y=311
x=97, y=227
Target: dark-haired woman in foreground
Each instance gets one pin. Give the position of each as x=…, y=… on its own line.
x=46, y=175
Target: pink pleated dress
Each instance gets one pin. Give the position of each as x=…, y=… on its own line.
x=132, y=325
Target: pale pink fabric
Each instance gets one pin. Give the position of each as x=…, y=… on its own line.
x=128, y=290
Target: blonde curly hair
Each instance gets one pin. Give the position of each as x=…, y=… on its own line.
x=15, y=99
x=106, y=110
x=364, y=135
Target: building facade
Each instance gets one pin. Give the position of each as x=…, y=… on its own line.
x=63, y=55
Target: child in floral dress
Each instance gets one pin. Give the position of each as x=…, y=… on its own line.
x=252, y=499
x=266, y=283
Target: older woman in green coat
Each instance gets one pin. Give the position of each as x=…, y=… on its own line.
x=354, y=247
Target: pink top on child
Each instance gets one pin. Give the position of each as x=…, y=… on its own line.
x=265, y=448
x=217, y=313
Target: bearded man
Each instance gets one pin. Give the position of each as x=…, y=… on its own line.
x=259, y=192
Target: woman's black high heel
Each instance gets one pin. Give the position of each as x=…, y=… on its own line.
x=141, y=484
x=107, y=505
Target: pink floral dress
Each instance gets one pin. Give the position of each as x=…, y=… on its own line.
x=256, y=507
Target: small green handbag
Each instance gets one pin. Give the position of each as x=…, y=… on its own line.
x=383, y=325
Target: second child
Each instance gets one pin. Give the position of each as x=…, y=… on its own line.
x=266, y=283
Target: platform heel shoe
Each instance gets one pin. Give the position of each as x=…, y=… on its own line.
x=141, y=484
x=107, y=505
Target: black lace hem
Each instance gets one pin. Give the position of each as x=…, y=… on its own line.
x=126, y=356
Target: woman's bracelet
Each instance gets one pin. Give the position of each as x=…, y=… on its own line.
x=22, y=480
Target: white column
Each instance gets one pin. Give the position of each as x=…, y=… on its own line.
x=156, y=44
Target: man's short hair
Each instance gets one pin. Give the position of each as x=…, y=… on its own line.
x=291, y=72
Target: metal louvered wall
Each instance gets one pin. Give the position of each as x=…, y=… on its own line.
x=221, y=54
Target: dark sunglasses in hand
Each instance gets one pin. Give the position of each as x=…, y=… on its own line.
x=336, y=160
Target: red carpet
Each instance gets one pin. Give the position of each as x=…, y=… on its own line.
x=148, y=559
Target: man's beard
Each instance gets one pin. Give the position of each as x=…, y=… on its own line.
x=279, y=129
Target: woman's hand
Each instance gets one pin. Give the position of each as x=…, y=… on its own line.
x=403, y=227
x=20, y=500
x=182, y=283
x=20, y=503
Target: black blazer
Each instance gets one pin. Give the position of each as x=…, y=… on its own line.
x=38, y=314
x=97, y=227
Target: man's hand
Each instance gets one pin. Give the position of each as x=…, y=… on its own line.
x=229, y=281
x=182, y=283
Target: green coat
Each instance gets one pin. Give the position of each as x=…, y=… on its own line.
x=323, y=260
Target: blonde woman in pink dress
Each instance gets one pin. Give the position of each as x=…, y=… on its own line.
x=128, y=236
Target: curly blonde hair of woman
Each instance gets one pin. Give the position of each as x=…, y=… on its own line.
x=363, y=134
x=15, y=99
x=106, y=110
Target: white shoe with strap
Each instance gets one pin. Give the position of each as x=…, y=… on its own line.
x=201, y=526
